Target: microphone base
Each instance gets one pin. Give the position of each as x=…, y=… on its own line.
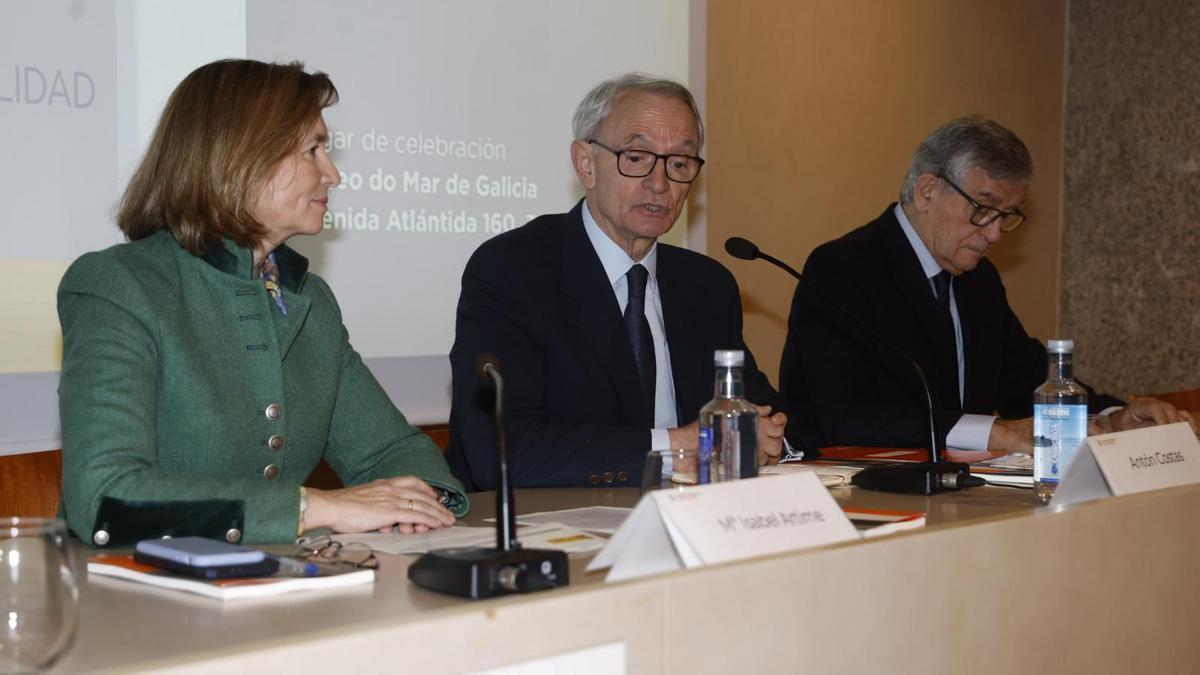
x=924, y=478
x=489, y=572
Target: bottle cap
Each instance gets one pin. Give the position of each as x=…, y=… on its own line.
x=1060, y=346
x=729, y=357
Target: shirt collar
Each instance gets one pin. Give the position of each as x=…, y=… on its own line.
x=229, y=258
x=615, y=260
x=928, y=264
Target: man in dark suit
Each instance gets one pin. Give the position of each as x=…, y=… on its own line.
x=604, y=335
x=918, y=277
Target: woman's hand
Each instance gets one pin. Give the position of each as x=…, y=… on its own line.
x=406, y=504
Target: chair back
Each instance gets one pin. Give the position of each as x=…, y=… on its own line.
x=1188, y=399
x=30, y=484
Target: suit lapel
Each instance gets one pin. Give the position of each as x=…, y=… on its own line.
x=910, y=278
x=592, y=309
x=292, y=270
x=976, y=335
x=682, y=307
x=230, y=259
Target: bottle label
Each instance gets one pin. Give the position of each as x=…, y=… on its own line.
x=1058, y=431
x=706, y=444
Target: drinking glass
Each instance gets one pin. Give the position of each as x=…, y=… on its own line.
x=675, y=469
x=39, y=597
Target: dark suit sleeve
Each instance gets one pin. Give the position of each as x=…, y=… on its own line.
x=860, y=392
x=502, y=311
x=1098, y=402
x=1025, y=368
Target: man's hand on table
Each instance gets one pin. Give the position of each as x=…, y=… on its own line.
x=1140, y=412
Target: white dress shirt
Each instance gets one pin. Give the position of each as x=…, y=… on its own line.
x=971, y=432
x=616, y=264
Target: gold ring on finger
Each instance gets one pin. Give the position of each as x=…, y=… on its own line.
x=410, y=505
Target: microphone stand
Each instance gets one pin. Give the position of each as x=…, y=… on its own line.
x=487, y=572
x=924, y=478
x=506, y=516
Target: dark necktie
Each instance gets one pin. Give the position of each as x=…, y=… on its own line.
x=941, y=284
x=639, y=335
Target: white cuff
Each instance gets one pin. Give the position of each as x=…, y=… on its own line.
x=971, y=432
x=660, y=439
x=790, y=453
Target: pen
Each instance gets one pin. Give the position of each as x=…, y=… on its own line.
x=294, y=567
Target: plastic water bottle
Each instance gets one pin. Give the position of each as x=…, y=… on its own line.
x=1060, y=421
x=729, y=423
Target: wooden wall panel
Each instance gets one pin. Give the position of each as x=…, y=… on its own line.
x=815, y=107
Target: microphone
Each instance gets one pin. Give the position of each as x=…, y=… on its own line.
x=487, y=366
x=745, y=249
x=487, y=572
x=922, y=478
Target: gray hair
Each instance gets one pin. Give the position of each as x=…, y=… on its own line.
x=959, y=145
x=595, y=107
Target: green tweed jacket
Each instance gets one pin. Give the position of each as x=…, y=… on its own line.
x=191, y=406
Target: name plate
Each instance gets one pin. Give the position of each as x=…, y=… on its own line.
x=696, y=526
x=1133, y=461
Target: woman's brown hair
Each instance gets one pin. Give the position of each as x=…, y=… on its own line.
x=224, y=129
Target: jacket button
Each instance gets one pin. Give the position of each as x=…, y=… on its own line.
x=275, y=442
x=270, y=472
x=608, y=477
x=233, y=536
x=100, y=538
x=594, y=479
x=622, y=476
x=273, y=411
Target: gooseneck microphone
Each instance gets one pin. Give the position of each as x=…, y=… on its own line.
x=486, y=572
x=487, y=366
x=921, y=478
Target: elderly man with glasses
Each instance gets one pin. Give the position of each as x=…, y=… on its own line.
x=605, y=336
x=917, y=276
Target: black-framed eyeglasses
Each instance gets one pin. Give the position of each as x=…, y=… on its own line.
x=325, y=549
x=986, y=215
x=640, y=163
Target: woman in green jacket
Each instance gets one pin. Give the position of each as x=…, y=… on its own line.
x=205, y=371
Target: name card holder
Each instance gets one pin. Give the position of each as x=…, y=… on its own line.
x=1133, y=461
x=696, y=526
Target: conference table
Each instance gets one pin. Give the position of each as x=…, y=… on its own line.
x=992, y=583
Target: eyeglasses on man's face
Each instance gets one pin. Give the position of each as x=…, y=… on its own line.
x=640, y=163
x=986, y=215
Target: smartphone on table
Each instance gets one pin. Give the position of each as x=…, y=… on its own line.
x=205, y=558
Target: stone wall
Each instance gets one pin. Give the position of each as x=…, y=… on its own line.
x=1130, y=270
